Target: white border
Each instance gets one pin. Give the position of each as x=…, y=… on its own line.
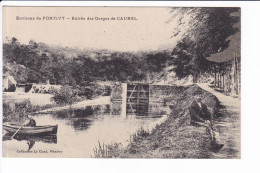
x=250, y=112
x=127, y=3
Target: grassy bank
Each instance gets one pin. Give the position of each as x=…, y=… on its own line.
x=174, y=138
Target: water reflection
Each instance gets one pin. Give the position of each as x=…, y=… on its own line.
x=137, y=109
x=115, y=108
x=31, y=140
x=80, y=130
x=80, y=123
x=82, y=119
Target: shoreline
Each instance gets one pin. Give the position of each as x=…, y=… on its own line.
x=175, y=137
x=97, y=101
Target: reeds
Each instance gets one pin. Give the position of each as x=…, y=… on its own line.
x=112, y=150
x=139, y=134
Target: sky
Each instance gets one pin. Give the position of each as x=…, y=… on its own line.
x=149, y=32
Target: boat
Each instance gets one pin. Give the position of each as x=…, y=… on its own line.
x=37, y=130
x=51, y=139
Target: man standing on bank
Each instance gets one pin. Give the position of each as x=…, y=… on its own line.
x=200, y=116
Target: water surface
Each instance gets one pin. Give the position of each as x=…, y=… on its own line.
x=80, y=131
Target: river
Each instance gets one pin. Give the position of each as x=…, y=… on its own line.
x=81, y=130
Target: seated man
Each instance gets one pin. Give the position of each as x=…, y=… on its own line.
x=200, y=116
x=30, y=122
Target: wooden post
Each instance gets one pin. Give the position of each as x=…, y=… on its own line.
x=215, y=72
x=237, y=76
x=138, y=98
x=148, y=93
x=223, y=82
x=235, y=73
x=219, y=80
x=138, y=93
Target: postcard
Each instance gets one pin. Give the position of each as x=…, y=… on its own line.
x=121, y=82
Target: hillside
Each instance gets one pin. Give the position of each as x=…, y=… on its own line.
x=38, y=62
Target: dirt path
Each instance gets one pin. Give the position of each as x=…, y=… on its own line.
x=228, y=124
x=97, y=101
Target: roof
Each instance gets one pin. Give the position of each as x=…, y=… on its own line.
x=11, y=79
x=229, y=53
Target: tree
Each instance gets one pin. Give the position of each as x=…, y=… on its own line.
x=64, y=96
x=33, y=44
x=208, y=31
x=157, y=61
x=14, y=40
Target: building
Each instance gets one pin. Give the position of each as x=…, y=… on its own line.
x=9, y=83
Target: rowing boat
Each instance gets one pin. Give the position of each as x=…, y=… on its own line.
x=37, y=130
x=51, y=139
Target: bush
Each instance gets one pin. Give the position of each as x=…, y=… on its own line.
x=85, y=92
x=16, y=112
x=66, y=95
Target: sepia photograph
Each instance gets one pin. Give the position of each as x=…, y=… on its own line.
x=121, y=82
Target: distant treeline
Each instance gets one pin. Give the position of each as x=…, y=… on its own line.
x=210, y=32
x=34, y=63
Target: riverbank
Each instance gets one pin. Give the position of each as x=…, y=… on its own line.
x=17, y=106
x=97, y=101
x=176, y=138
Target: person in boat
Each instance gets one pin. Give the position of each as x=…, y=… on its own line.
x=30, y=122
x=201, y=117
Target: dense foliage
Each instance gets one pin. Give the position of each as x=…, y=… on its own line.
x=208, y=33
x=16, y=111
x=36, y=63
x=65, y=95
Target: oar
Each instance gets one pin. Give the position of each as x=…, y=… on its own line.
x=18, y=130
